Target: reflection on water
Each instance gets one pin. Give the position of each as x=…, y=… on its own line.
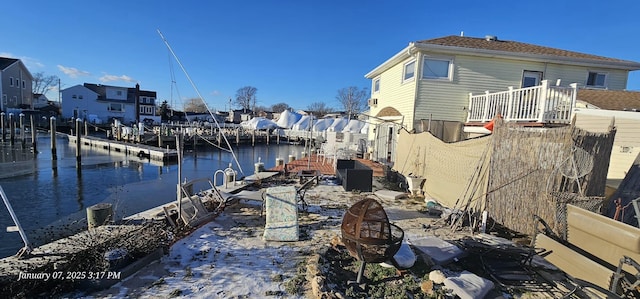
x=44, y=192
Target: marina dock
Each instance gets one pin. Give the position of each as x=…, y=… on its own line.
x=140, y=150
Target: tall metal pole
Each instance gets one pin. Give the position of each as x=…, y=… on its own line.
x=179, y=186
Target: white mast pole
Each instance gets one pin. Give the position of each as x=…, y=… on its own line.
x=200, y=96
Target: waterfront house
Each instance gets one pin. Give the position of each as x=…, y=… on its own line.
x=99, y=103
x=453, y=85
x=15, y=85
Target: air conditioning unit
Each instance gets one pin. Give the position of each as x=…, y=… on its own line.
x=373, y=102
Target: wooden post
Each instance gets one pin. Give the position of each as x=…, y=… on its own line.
x=52, y=130
x=238, y=136
x=268, y=136
x=12, y=129
x=23, y=140
x=86, y=128
x=78, y=145
x=219, y=137
x=278, y=139
x=99, y=214
x=253, y=138
x=160, y=138
x=3, y=126
x=34, y=143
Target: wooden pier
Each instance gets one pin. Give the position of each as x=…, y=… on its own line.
x=140, y=150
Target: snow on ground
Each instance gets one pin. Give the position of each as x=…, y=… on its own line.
x=227, y=258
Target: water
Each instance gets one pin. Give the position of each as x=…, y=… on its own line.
x=45, y=192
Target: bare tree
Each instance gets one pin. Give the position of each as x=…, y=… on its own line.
x=41, y=83
x=320, y=108
x=352, y=99
x=246, y=97
x=279, y=107
x=196, y=105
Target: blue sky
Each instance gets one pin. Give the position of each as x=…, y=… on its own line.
x=297, y=52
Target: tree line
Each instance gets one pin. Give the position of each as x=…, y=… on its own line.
x=352, y=100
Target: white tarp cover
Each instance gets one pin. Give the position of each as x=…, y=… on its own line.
x=354, y=126
x=322, y=124
x=338, y=125
x=288, y=119
x=302, y=124
x=259, y=123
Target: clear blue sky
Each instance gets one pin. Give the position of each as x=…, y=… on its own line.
x=295, y=52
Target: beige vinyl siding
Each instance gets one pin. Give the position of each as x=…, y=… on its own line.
x=394, y=93
x=616, y=79
x=626, y=146
x=449, y=100
x=443, y=100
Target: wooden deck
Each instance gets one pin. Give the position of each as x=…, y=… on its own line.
x=314, y=162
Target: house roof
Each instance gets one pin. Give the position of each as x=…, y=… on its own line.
x=620, y=100
x=493, y=47
x=510, y=46
x=6, y=62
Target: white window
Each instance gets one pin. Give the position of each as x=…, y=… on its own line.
x=436, y=68
x=409, y=71
x=596, y=79
x=115, y=107
x=376, y=85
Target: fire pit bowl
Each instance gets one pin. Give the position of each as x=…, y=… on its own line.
x=368, y=235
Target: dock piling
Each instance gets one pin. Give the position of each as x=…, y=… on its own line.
x=12, y=129
x=78, y=144
x=23, y=140
x=3, y=126
x=52, y=130
x=34, y=143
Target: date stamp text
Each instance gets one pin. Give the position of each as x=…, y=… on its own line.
x=72, y=275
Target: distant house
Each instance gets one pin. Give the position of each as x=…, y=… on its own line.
x=15, y=85
x=40, y=100
x=460, y=83
x=99, y=103
x=239, y=115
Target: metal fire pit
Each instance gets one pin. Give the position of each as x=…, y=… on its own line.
x=368, y=235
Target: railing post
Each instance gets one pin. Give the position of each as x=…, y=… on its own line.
x=469, y=115
x=507, y=117
x=485, y=114
x=542, y=99
x=574, y=96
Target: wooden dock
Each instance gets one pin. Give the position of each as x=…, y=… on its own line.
x=140, y=150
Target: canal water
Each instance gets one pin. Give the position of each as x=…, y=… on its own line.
x=46, y=193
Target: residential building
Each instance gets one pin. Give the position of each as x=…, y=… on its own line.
x=40, y=101
x=459, y=82
x=15, y=85
x=99, y=103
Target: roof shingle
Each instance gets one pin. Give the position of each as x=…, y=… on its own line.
x=611, y=99
x=511, y=46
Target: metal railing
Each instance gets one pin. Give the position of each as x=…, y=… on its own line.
x=542, y=103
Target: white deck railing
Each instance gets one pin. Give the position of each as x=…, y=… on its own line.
x=542, y=104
